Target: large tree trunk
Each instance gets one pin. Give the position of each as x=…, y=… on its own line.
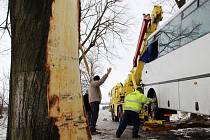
x=45, y=98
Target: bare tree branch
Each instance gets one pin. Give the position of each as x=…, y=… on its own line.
x=94, y=67
x=6, y=50
x=4, y=91
x=5, y=25
x=101, y=21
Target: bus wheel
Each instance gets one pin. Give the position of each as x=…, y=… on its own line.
x=154, y=108
x=155, y=112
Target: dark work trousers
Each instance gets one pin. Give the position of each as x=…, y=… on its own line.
x=89, y=117
x=129, y=116
x=87, y=106
x=94, y=115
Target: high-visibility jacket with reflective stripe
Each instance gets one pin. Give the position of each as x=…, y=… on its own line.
x=135, y=100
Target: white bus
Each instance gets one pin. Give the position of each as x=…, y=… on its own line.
x=177, y=62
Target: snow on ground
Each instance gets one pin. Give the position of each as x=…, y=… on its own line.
x=3, y=127
x=108, y=128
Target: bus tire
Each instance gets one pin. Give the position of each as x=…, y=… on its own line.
x=153, y=108
x=156, y=112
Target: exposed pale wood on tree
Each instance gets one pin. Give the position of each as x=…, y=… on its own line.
x=64, y=91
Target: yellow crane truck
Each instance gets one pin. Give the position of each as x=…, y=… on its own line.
x=119, y=91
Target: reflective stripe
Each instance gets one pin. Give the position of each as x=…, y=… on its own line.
x=141, y=103
x=130, y=108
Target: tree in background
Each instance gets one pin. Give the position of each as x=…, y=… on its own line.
x=4, y=27
x=103, y=27
x=94, y=67
x=5, y=24
x=4, y=90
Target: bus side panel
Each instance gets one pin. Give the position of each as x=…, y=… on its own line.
x=169, y=97
x=186, y=62
x=194, y=92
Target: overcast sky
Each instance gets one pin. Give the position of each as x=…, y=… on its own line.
x=121, y=67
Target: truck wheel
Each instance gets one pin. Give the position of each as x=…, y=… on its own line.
x=120, y=112
x=112, y=114
x=114, y=118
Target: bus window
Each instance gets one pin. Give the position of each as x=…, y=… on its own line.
x=190, y=9
x=196, y=24
x=151, y=53
x=202, y=2
x=170, y=36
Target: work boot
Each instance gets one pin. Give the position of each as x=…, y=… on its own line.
x=136, y=136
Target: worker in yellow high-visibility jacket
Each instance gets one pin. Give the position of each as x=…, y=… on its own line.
x=134, y=101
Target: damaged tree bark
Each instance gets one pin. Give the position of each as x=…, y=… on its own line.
x=45, y=72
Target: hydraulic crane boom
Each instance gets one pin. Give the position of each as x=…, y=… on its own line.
x=133, y=79
x=141, y=37
x=149, y=25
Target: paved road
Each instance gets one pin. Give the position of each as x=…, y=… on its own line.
x=108, y=129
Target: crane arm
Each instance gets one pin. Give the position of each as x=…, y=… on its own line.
x=149, y=25
x=141, y=37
